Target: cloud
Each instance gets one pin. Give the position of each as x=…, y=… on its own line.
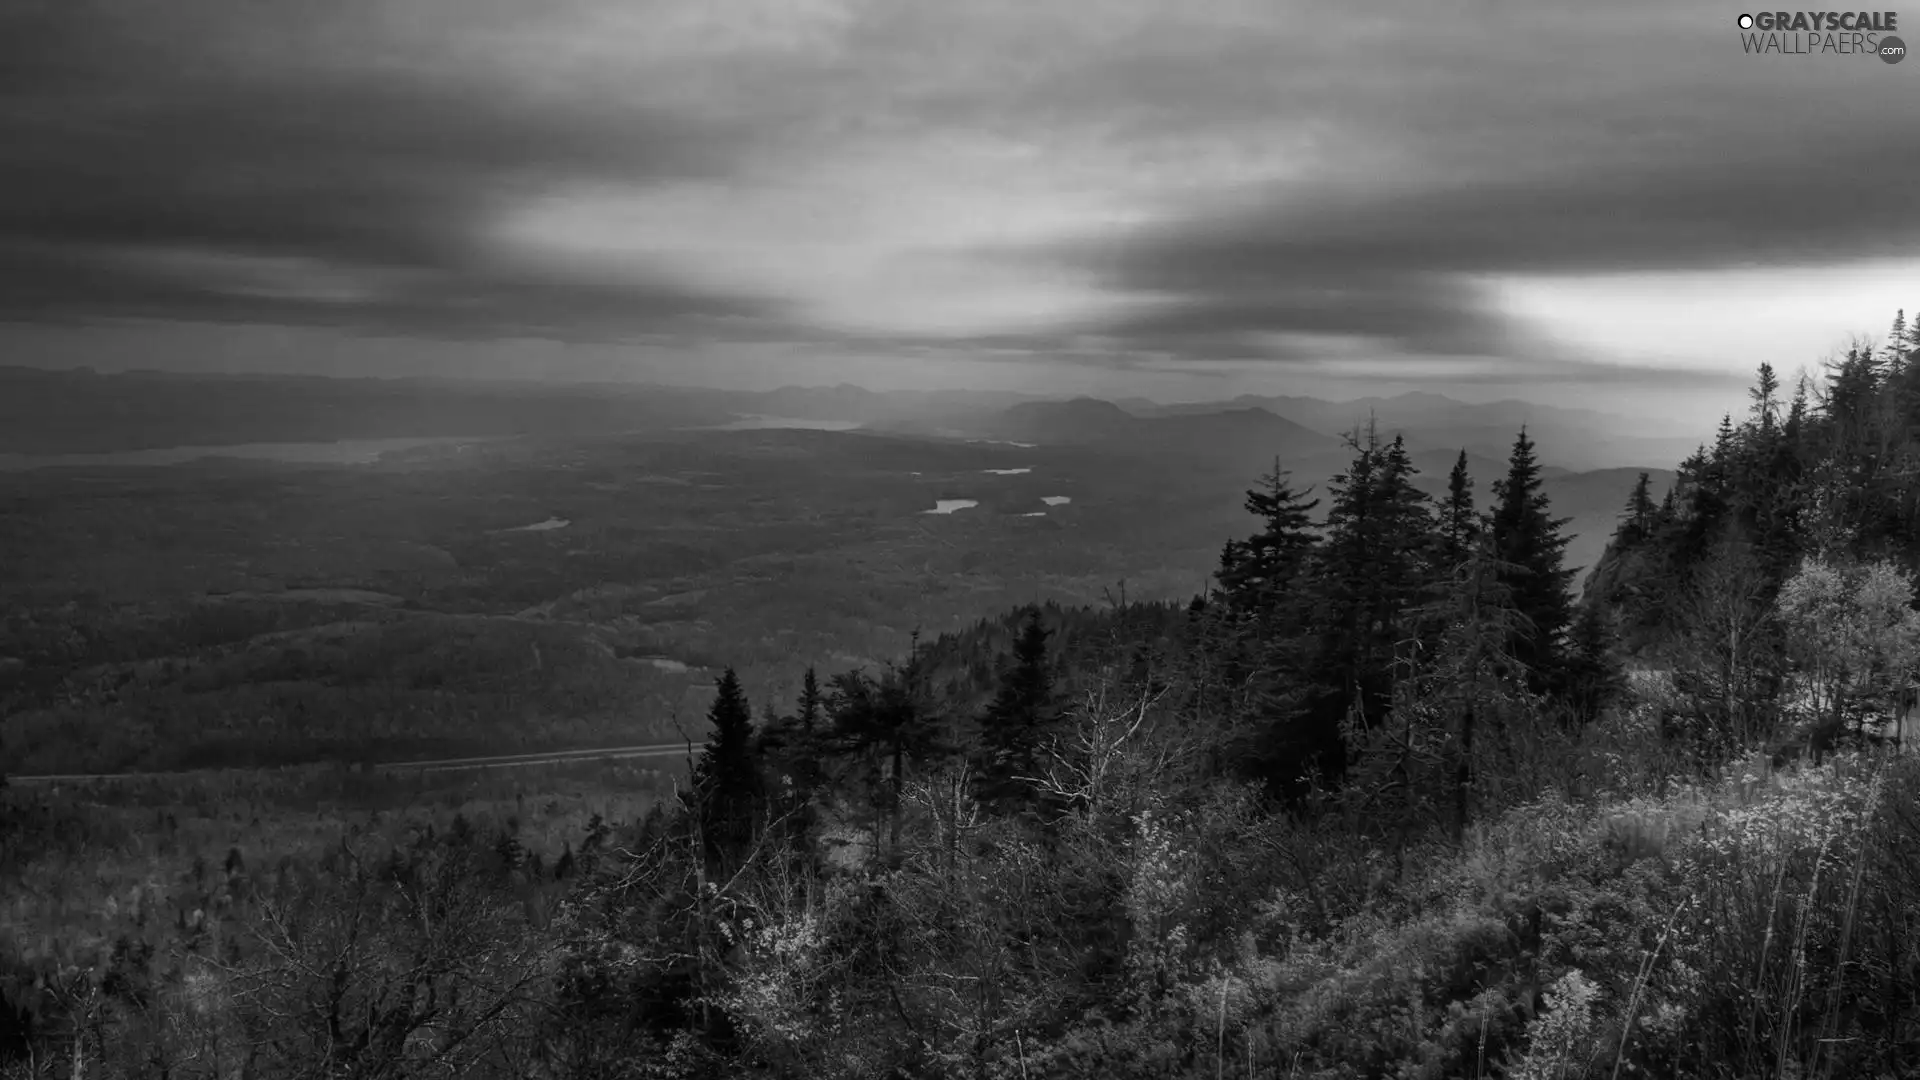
x=163, y=160
x=1125, y=182
x=1464, y=153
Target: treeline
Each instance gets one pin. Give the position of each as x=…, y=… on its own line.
x=1384, y=802
x=1808, y=508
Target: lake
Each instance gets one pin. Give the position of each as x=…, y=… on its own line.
x=548, y=525
x=948, y=506
x=768, y=423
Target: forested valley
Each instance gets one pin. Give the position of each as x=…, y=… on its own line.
x=1395, y=798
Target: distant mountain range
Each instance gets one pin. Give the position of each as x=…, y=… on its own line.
x=1576, y=440
x=44, y=411
x=1590, y=458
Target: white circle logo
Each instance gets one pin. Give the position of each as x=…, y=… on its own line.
x=1746, y=22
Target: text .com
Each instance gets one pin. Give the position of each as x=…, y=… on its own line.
x=1833, y=33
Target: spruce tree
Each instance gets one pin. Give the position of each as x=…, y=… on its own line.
x=1255, y=573
x=1459, y=524
x=812, y=704
x=890, y=722
x=726, y=779
x=1766, y=398
x=790, y=744
x=1526, y=536
x=1797, y=411
x=1015, y=722
x=1636, y=523
x=1373, y=567
x=1593, y=677
x=1372, y=573
x=1459, y=703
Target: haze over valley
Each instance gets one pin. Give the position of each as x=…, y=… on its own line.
x=455, y=533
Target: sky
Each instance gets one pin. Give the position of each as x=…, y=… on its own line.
x=1560, y=201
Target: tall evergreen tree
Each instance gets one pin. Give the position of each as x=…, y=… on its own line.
x=1797, y=410
x=1015, y=722
x=1766, y=398
x=791, y=742
x=1593, y=676
x=1525, y=535
x=1459, y=523
x=890, y=722
x=1724, y=436
x=1255, y=573
x=812, y=704
x=1637, y=523
x=726, y=779
x=1468, y=681
x=1371, y=573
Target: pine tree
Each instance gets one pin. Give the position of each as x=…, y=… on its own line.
x=1015, y=722
x=812, y=704
x=1371, y=573
x=1797, y=411
x=726, y=779
x=1469, y=681
x=1255, y=573
x=1525, y=535
x=1725, y=449
x=791, y=744
x=1459, y=524
x=1593, y=676
x=1637, y=524
x=889, y=721
x=1851, y=388
x=1766, y=398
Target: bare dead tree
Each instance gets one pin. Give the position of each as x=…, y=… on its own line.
x=1107, y=740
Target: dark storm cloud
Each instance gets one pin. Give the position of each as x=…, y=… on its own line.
x=1406, y=265
x=171, y=159
x=1509, y=144
x=1278, y=178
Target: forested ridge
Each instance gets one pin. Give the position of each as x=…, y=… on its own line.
x=1390, y=800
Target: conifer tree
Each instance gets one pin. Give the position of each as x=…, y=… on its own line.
x=1766, y=398
x=1637, y=523
x=1797, y=411
x=1525, y=535
x=812, y=704
x=1593, y=676
x=889, y=721
x=726, y=779
x=792, y=743
x=1459, y=524
x=1471, y=679
x=1370, y=574
x=1373, y=570
x=1255, y=573
x=1015, y=721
